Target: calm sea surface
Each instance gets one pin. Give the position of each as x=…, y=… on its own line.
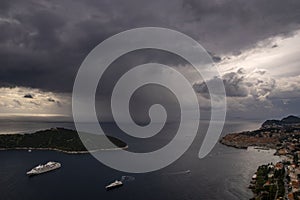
x=12, y=127
x=224, y=174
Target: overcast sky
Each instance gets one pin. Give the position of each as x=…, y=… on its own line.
x=255, y=45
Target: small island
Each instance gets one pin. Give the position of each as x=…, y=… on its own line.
x=59, y=139
x=280, y=180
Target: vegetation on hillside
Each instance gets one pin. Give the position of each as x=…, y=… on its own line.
x=59, y=139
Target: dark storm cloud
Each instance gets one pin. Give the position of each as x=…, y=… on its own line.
x=28, y=96
x=233, y=25
x=239, y=84
x=234, y=85
x=42, y=43
x=51, y=100
x=54, y=101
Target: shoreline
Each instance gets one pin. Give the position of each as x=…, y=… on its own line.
x=241, y=141
x=64, y=151
x=270, y=152
x=280, y=180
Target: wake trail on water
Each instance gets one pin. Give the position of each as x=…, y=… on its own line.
x=127, y=178
x=179, y=172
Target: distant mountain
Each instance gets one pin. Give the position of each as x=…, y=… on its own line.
x=285, y=121
x=291, y=120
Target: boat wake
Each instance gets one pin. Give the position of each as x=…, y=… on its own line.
x=179, y=173
x=127, y=178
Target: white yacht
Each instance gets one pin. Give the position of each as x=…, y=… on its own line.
x=114, y=185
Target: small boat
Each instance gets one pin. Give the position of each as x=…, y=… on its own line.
x=114, y=185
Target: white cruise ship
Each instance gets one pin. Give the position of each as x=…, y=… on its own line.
x=44, y=168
